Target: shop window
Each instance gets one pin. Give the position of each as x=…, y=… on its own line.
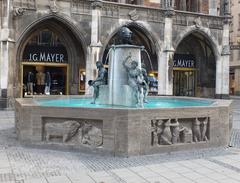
x=82, y=80
x=44, y=65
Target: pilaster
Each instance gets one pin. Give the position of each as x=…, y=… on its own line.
x=96, y=45
x=222, y=70
x=165, y=77
x=6, y=52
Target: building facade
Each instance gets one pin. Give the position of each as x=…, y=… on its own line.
x=235, y=48
x=57, y=43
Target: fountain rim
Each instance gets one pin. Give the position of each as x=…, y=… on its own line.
x=31, y=102
x=127, y=46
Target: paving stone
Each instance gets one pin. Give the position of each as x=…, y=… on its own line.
x=41, y=180
x=146, y=174
x=181, y=180
x=204, y=170
x=81, y=179
x=105, y=180
x=216, y=176
x=158, y=168
x=58, y=179
x=7, y=170
x=170, y=175
x=193, y=175
x=205, y=180
x=229, y=180
x=139, y=169
x=158, y=179
x=182, y=170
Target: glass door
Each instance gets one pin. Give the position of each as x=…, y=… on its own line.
x=184, y=83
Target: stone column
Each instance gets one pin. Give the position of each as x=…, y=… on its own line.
x=222, y=68
x=165, y=65
x=213, y=7
x=6, y=49
x=237, y=81
x=93, y=51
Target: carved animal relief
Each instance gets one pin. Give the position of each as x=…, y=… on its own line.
x=176, y=131
x=84, y=132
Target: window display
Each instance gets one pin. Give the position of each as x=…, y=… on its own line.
x=44, y=80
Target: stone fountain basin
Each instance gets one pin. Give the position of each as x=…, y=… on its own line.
x=122, y=132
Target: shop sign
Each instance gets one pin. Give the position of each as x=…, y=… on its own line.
x=184, y=61
x=235, y=47
x=45, y=54
x=46, y=57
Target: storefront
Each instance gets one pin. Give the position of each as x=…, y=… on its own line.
x=184, y=75
x=44, y=66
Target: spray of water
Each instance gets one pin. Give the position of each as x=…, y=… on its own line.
x=149, y=59
x=105, y=62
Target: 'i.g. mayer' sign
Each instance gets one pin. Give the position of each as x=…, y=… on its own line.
x=184, y=61
x=45, y=54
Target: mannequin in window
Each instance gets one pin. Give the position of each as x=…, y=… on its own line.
x=47, y=83
x=40, y=77
x=30, y=81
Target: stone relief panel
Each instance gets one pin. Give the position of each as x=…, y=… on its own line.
x=187, y=19
x=155, y=15
x=179, y=131
x=110, y=10
x=26, y=4
x=86, y=132
x=80, y=7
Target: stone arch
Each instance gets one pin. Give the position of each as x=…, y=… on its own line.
x=196, y=43
x=204, y=32
x=69, y=35
x=65, y=20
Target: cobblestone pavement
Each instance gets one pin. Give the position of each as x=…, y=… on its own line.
x=21, y=164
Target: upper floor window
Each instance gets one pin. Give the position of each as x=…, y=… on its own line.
x=187, y=5
x=238, y=21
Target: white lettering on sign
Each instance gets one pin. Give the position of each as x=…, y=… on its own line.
x=183, y=63
x=46, y=57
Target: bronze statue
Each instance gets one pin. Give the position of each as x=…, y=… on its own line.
x=145, y=83
x=101, y=80
x=135, y=79
x=125, y=35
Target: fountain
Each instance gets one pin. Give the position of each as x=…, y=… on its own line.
x=117, y=121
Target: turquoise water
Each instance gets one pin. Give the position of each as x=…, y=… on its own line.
x=152, y=103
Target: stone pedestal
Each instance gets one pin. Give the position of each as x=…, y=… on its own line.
x=119, y=93
x=126, y=98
